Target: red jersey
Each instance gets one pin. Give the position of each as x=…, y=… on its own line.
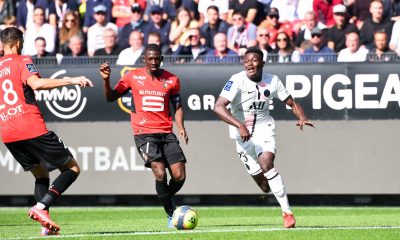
x=20, y=116
x=150, y=111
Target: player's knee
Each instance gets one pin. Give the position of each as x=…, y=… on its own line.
x=179, y=177
x=76, y=169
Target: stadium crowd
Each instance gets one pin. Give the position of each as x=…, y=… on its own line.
x=208, y=30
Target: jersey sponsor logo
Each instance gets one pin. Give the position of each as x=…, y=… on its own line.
x=65, y=102
x=31, y=68
x=228, y=86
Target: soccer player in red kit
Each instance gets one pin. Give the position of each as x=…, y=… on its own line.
x=24, y=131
x=152, y=90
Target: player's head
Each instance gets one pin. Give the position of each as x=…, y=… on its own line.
x=12, y=37
x=152, y=57
x=253, y=63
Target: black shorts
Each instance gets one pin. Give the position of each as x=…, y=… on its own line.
x=159, y=147
x=47, y=149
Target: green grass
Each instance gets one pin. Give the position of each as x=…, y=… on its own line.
x=313, y=223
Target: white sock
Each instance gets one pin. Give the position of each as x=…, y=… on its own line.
x=40, y=206
x=278, y=189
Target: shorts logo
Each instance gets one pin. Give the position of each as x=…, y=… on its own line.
x=31, y=68
x=228, y=86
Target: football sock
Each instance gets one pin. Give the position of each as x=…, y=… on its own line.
x=41, y=188
x=60, y=184
x=278, y=189
x=175, y=186
x=164, y=196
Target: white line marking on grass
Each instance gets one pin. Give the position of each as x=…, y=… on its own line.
x=211, y=231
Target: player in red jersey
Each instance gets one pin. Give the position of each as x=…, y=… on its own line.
x=24, y=131
x=152, y=89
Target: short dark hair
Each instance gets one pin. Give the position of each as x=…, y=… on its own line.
x=40, y=39
x=256, y=51
x=213, y=7
x=152, y=47
x=11, y=35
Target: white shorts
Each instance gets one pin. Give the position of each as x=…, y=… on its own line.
x=249, y=151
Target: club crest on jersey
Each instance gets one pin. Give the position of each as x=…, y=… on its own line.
x=228, y=86
x=31, y=68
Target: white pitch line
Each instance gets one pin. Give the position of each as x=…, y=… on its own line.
x=210, y=231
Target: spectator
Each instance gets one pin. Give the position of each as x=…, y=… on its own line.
x=241, y=35
x=353, y=52
x=274, y=26
x=89, y=15
x=155, y=37
x=319, y=52
x=381, y=52
x=70, y=27
x=287, y=10
x=284, y=49
x=76, y=47
x=394, y=43
x=40, y=29
x=25, y=12
x=58, y=9
x=10, y=21
x=221, y=53
x=360, y=12
x=136, y=24
x=323, y=11
x=213, y=26
x=40, y=45
x=160, y=25
x=7, y=9
x=180, y=27
x=298, y=52
x=310, y=22
x=171, y=7
x=75, y=54
x=150, y=4
x=248, y=8
x=121, y=11
x=375, y=23
x=130, y=55
x=95, y=35
x=262, y=42
x=110, y=44
x=195, y=49
x=336, y=35
x=203, y=6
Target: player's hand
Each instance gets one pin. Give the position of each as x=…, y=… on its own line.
x=81, y=81
x=183, y=135
x=244, y=133
x=105, y=70
x=303, y=122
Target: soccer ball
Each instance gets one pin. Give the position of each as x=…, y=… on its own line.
x=185, y=218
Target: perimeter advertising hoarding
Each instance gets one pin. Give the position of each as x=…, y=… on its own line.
x=337, y=158
x=327, y=92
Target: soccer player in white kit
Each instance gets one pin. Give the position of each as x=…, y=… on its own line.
x=249, y=94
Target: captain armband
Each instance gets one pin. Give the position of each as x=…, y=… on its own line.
x=176, y=99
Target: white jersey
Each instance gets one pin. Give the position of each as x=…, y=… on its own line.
x=250, y=100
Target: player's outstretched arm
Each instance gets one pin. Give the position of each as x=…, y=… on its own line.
x=225, y=115
x=105, y=72
x=37, y=83
x=299, y=113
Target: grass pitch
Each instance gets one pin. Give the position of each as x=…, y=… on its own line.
x=313, y=223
